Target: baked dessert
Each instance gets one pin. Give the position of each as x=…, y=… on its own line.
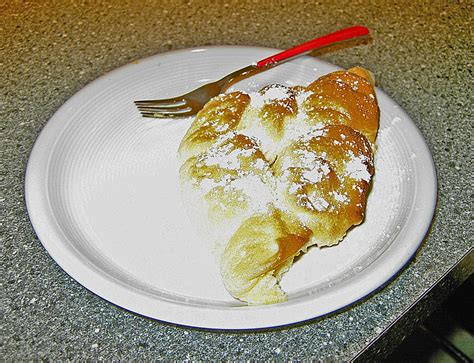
x=280, y=170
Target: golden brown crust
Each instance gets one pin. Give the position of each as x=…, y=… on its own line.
x=274, y=113
x=288, y=167
x=350, y=95
x=219, y=116
x=324, y=178
x=258, y=253
x=220, y=171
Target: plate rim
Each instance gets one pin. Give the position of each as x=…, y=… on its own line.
x=92, y=283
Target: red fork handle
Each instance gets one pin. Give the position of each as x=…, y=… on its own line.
x=331, y=38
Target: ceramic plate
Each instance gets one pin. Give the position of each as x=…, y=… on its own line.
x=103, y=196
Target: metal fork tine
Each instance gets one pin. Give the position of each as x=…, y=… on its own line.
x=153, y=111
x=163, y=109
x=171, y=102
x=166, y=115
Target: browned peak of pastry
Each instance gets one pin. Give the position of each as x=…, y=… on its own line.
x=364, y=73
x=328, y=179
x=219, y=116
x=258, y=236
x=274, y=112
x=349, y=94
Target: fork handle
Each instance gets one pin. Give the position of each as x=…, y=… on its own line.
x=328, y=39
x=274, y=60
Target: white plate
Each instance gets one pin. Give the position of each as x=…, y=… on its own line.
x=103, y=196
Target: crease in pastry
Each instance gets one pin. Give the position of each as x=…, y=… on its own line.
x=280, y=170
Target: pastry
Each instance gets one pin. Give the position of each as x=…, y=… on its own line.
x=279, y=170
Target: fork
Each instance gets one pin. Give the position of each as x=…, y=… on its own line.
x=190, y=103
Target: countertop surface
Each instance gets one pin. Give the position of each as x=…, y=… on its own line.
x=420, y=53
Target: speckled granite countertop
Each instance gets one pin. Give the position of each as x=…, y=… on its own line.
x=421, y=54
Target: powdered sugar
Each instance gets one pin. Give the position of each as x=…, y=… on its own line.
x=260, y=164
x=258, y=192
x=272, y=93
x=302, y=97
x=227, y=161
x=316, y=174
x=318, y=203
x=342, y=198
x=259, y=135
x=225, y=154
x=249, y=188
x=207, y=184
x=356, y=167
